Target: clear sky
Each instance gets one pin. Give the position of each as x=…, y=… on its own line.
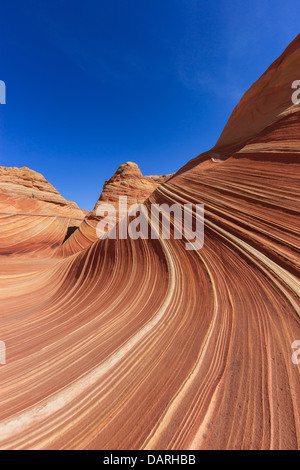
x=92, y=84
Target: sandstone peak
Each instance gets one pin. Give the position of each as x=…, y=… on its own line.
x=127, y=181
x=128, y=169
x=22, y=173
x=32, y=201
x=27, y=183
x=266, y=101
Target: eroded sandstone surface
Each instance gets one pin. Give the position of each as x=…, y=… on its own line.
x=140, y=344
x=33, y=214
x=127, y=181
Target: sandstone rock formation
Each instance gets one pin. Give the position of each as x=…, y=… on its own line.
x=23, y=182
x=266, y=101
x=34, y=216
x=140, y=344
x=127, y=181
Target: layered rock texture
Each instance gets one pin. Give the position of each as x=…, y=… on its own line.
x=33, y=215
x=141, y=344
x=127, y=181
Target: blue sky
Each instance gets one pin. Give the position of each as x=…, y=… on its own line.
x=93, y=84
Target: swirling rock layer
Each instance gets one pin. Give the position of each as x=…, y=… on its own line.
x=140, y=344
